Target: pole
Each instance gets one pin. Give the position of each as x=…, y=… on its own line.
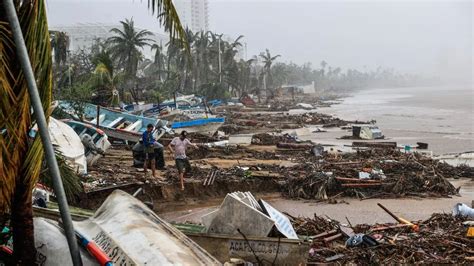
x=97, y=116
x=25, y=63
x=220, y=60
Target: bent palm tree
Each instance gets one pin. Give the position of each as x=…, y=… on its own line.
x=20, y=157
x=267, y=65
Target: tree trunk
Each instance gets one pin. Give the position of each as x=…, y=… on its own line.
x=24, y=250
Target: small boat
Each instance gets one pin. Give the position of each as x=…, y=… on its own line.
x=281, y=251
x=211, y=246
x=207, y=126
x=126, y=231
x=95, y=141
x=68, y=143
x=116, y=124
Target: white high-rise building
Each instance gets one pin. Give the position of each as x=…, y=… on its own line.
x=194, y=14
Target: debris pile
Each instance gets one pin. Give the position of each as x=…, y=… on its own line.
x=245, y=122
x=440, y=239
x=372, y=173
x=313, y=226
x=271, y=139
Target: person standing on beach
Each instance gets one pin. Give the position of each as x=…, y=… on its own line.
x=178, y=146
x=149, y=143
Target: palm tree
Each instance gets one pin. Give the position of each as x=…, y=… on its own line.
x=267, y=65
x=127, y=44
x=159, y=60
x=20, y=157
x=21, y=161
x=60, y=46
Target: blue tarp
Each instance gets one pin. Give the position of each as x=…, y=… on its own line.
x=197, y=122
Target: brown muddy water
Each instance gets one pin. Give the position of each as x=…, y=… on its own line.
x=355, y=210
x=440, y=116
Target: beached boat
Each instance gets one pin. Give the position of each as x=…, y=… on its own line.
x=95, y=141
x=68, y=143
x=281, y=251
x=128, y=232
x=116, y=124
x=203, y=126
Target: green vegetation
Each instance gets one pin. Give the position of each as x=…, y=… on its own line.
x=204, y=63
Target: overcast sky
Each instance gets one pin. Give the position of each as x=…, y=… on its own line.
x=422, y=37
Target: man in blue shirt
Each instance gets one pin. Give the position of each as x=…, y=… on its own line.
x=149, y=144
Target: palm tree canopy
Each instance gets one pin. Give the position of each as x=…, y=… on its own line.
x=126, y=45
x=268, y=59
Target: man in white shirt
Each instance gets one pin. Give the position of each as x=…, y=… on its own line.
x=178, y=146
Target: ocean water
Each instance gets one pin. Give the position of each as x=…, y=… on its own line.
x=440, y=116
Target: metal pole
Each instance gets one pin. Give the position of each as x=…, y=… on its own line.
x=25, y=63
x=220, y=60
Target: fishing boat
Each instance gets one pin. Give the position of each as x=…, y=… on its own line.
x=68, y=143
x=95, y=141
x=116, y=124
x=280, y=251
x=207, y=126
x=109, y=229
x=127, y=232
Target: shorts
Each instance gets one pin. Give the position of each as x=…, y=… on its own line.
x=182, y=165
x=149, y=153
x=149, y=156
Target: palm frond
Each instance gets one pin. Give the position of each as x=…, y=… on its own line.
x=71, y=181
x=21, y=158
x=169, y=18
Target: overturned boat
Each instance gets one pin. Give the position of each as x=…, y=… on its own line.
x=115, y=124
x=95, y=141
x=127, y=232
x=68, y=143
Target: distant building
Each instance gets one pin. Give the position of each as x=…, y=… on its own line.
x=194, y=14
x=83, y=35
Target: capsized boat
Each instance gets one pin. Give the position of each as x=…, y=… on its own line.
x=95, y=141
x=129, y=233
x=116, y=124
x=68, y=143
x=207, y=126
x=223, y=247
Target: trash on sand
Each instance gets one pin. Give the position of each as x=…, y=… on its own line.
x=221, y=143
x=366, y=132
x=360, y=240
x=379, y=145
x=317, y=150
x=364, y=175
x=306, y=106
x=241, y=214
x=461, y=209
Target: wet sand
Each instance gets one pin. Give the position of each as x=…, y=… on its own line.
x=355, y=210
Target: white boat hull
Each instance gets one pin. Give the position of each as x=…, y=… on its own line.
x=207, y=129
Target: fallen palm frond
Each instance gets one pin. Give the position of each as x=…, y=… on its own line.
x=71, y=181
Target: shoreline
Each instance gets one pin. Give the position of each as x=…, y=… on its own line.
x=402, y=124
